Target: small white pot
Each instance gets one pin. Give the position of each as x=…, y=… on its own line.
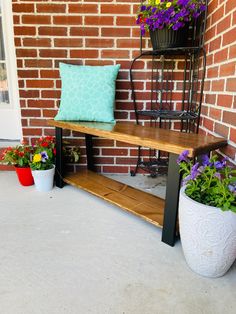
x=43, y=179
x=208, y=236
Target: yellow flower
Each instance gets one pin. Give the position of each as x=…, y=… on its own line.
x=168, y=4
x=37, y=158
x=158, y=1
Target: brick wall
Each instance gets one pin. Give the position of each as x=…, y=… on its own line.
x=219, y=108
x=103, y=33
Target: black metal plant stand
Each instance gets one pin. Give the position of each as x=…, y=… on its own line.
x=172, y=80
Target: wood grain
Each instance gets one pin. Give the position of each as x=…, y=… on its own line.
x=142, y=204
x=160, y=139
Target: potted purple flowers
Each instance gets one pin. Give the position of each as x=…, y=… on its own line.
x=168, y=20
x=207, y=215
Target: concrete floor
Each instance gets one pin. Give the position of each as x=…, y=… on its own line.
x=69, y=252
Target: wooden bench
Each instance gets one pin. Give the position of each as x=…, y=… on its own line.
x=162, y=213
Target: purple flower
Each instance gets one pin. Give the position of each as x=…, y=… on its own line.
x=183, y=156
x=217, y=175
x=183, y=2
x=44, y=156
x=232, y=188
x=194, y=171
x=205, y=160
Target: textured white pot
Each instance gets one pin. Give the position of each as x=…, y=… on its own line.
x=208, y=237
x=43, y=179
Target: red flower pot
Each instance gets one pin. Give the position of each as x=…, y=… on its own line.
x=24, y=176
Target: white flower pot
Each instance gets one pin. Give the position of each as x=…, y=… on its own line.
x=208, y=237
x=43, y=179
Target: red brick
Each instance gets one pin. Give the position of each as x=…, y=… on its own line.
x=67, y=20
x=39, y=84
x=37, y=63
x=67, y=42
x=115, y=169
x=120, y=54
x=229, y=151
x=26, y=53
x=83, y=8
x=228, y=69
x=38, y=122
x=125, y=21
x=114, y=152
x=27, y=73
x=99, y=43
x=233, y=135
x=232, y=52
x=217, y=15
x=51, y=8
x=115, y=9
x=221, y=130
x=49, y=74
x=229, y=117
x=36, y=19
x=229, y=37
x=212, y=72
x=128, y=43
x=49, y=113
x=116, y=32
x=84, y=31
x=24, y=30
x=218, y=85
x=99, y=20
x=208, y=124
x=230, y=5
x=36, y=42
x=32, y=131
x=215, y=44
x=53, y=53
x=30, y=113
x=23, y=7
x=39, y=103
x=225, y=100
x=223, y=25
x=51, y=94
x=84, y=54
x=221, y=55
x=215, y=114
x=52, y=31
x=210, y=99
x=231, y=84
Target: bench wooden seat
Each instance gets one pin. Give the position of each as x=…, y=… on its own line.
x=162, y=213
x=160, y=139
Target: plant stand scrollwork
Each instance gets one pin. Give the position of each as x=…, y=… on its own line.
x=172, y=83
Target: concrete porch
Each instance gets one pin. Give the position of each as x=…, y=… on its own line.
x=69, y=252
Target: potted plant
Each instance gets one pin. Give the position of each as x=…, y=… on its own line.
x=19, y=157
x=168, y=20
x=207, y=214
x=42, y=165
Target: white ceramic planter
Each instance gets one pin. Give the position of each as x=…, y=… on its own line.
x=43, y=179
x=208, y=237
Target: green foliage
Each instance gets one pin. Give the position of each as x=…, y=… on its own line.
x=212, y=182
x=17, y=156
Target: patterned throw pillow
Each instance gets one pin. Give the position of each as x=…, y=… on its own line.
x=88, y=93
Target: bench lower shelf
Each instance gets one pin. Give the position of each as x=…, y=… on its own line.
x=142, y=204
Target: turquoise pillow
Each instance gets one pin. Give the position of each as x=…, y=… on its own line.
x=88, y=93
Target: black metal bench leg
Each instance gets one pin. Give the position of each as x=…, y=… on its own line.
x=59, y=159
x=89, y=152
x=171, y=202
